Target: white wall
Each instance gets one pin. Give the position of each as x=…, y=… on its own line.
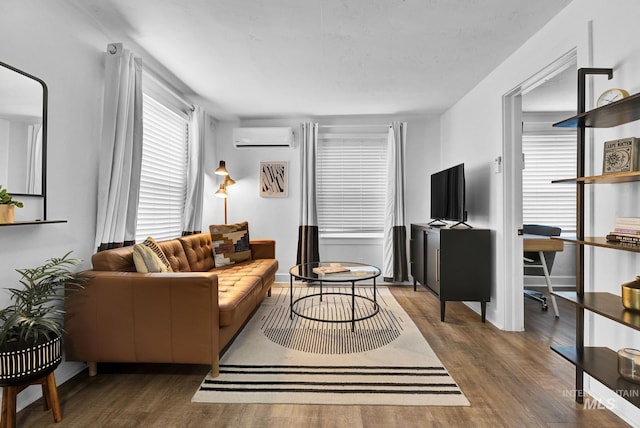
x=278, y=218
x=52, y=43
x=472, y=133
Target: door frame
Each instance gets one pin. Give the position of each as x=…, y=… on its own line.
x=512, y=187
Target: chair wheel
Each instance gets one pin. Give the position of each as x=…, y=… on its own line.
x=545, y=308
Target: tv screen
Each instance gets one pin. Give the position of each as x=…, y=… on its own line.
x=448, y=194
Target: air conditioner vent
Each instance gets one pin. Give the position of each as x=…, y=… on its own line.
x=260, y=137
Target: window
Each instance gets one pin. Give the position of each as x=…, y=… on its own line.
x=163, y=178
x=351, y=180
x=549, y=155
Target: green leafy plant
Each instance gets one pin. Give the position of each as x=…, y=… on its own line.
x=7, y=199
x=35, y=311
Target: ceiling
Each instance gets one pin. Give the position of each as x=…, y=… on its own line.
x=275, y=58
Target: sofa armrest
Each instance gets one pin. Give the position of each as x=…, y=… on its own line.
x=263, y=249
x=143, y=317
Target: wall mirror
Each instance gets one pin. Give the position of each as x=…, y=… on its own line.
x=23, y=132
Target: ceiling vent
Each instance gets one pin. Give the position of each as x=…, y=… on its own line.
x=255, y=137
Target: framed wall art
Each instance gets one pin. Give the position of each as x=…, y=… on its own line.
x=274, y=179
x=620, y=155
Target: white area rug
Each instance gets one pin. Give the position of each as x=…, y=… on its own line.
x=385, y=361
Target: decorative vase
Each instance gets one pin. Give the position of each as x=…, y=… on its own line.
x=6, y=213
x=629, y=364
x=22, y=362
x=631, y=294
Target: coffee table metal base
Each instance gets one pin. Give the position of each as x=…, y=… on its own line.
x=353, y=295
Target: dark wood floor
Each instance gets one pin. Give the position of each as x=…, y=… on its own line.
x=511, y=379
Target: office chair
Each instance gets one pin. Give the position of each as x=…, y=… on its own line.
x=533, y=265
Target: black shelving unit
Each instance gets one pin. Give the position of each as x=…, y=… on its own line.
x=598, y=362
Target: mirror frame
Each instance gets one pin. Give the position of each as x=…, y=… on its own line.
x=45, y=98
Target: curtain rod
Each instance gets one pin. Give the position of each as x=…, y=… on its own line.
x=113, y=48
x=152, y=74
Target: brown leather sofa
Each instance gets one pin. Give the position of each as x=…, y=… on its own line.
x=187, y=316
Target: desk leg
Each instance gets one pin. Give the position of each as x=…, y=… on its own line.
x=290, y=296
x=543, y=262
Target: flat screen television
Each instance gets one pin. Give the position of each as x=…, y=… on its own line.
x=448, y=195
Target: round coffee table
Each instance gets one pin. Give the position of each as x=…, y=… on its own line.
x=334, y=272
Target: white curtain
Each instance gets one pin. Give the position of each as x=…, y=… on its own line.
x=192, y=222
x=34, y=159
x=120, y=149
x=308, y=245
x=394, y=246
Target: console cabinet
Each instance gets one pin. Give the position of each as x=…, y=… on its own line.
x=455, y=264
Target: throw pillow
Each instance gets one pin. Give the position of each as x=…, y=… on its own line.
x=230, y=243
x=149, y=257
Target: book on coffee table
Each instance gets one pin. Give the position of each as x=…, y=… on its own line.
x=324, y=270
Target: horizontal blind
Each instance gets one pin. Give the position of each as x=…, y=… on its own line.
x=549, y=156
x=164, y=172
x=351, y=180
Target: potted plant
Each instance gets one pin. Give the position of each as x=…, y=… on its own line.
x=7, y=206
x=31, y=327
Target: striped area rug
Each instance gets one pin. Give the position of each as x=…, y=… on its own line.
x=384, y=361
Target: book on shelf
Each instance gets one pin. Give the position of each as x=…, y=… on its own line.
x=324, y=270
x=627, y=226
x=633, y=222
x=621, y=237
x=625, y=231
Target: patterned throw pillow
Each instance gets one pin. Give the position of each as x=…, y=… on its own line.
x=230, y=243
x=149, y=257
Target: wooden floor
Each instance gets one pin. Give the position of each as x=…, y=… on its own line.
x=511, y=380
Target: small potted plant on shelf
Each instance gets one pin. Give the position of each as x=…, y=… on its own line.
x=7, y=206
x=31, y=327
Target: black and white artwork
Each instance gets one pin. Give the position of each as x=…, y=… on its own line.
x=273, y=179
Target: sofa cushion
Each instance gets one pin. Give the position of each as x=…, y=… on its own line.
x=148, y=257
x=197, y=248
x=114, y=260
x=265, y=269
x=230, y=243
x=238, y=296
x=174, y=252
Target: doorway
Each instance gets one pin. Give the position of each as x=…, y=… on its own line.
x=542, y=90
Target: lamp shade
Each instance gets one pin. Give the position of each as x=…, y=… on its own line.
x=222, y=169
x=221, y=192
x=228, y=181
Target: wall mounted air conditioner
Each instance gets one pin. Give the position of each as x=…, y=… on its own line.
x=263, y=137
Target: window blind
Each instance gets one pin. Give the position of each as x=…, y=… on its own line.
x=164, y=172
x=351, y=181
x=549, y=156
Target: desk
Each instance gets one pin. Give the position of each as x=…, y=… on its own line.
x=539, y=244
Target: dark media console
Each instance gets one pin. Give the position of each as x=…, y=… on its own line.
x=455, y=264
